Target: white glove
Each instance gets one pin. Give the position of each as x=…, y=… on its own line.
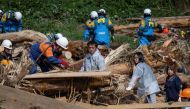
x=128, y=88
x=179, y=100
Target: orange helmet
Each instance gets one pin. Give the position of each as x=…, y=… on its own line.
x=185, y=93
x=165, y=30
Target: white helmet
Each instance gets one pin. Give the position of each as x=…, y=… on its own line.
x=18, y=15
x=1, y=11
x=102, y=11
x=93, y=14
x=62, y=42
x=147, y=11
x=58, y=35
x=7, y=44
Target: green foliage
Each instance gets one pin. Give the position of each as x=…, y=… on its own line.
x=66, y=16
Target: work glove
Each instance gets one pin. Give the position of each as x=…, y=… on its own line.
x=128, y=88
x=160, y=28
x=113, y=38
x=140, y=33
x=64, y=64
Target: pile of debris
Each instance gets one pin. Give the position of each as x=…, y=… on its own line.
x=107, y=87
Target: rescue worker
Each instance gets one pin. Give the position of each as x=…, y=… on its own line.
x=44, y=54
x=185, y=96
x=12, y=21
x=173, y=84
x=102, y=27
x=102, y=13
x=1, y=23
x=88, y=33
x=143, y=74
x=146, y=29
x=6, y=55
x=93, y=60
x=53, y=37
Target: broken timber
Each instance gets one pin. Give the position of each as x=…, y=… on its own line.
x=12, y=98
x=67, y=75
x=178, y=21
x=25, y=35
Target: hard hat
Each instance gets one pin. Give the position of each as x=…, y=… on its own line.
x=102, y=11
x=7, y=44
x=147, y=11
x=93, y=14
x=58, y=35
x=185, y=93
x=1, y=11
x=62, y=42
x=18, y=15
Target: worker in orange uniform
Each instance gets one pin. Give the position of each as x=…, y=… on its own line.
x=6, y=55
x=45, y=54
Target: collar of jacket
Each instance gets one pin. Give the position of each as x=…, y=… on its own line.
x=96, y=53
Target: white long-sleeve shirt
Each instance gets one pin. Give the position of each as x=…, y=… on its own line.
x=143, y=74
x=93, y=62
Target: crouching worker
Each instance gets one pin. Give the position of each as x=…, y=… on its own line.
x=93, y=60
x=142, y=73
x=44, y=54
x=6, y=55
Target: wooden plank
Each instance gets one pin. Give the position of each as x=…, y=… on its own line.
x=67, y=75
x=17, y=99
x=147, y=106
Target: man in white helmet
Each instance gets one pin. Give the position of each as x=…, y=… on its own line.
x=102, y=12
x=44, y=54
x=53, y=37
x=1, y=23
x=6, y=55
x=146, y=29
x=88, y=33
x=12, y=21
x=102, y=29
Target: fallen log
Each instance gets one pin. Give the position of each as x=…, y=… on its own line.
x=121, y=68
x=25, y=35
x=12, y=98
x=178, y=21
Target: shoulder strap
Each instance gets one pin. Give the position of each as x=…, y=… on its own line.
x=43, y=52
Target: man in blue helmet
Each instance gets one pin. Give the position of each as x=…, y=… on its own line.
x=146, y=29
x=1, y=23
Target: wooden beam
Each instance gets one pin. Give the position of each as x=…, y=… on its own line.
x=25, y=35
x=17, y=99
x=147, y=106
x=67, y=75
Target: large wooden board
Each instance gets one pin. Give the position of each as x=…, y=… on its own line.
x=67, y=75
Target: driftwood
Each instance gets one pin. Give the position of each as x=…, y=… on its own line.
x=115, y=54
x=25, y=35
x=122, y=68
